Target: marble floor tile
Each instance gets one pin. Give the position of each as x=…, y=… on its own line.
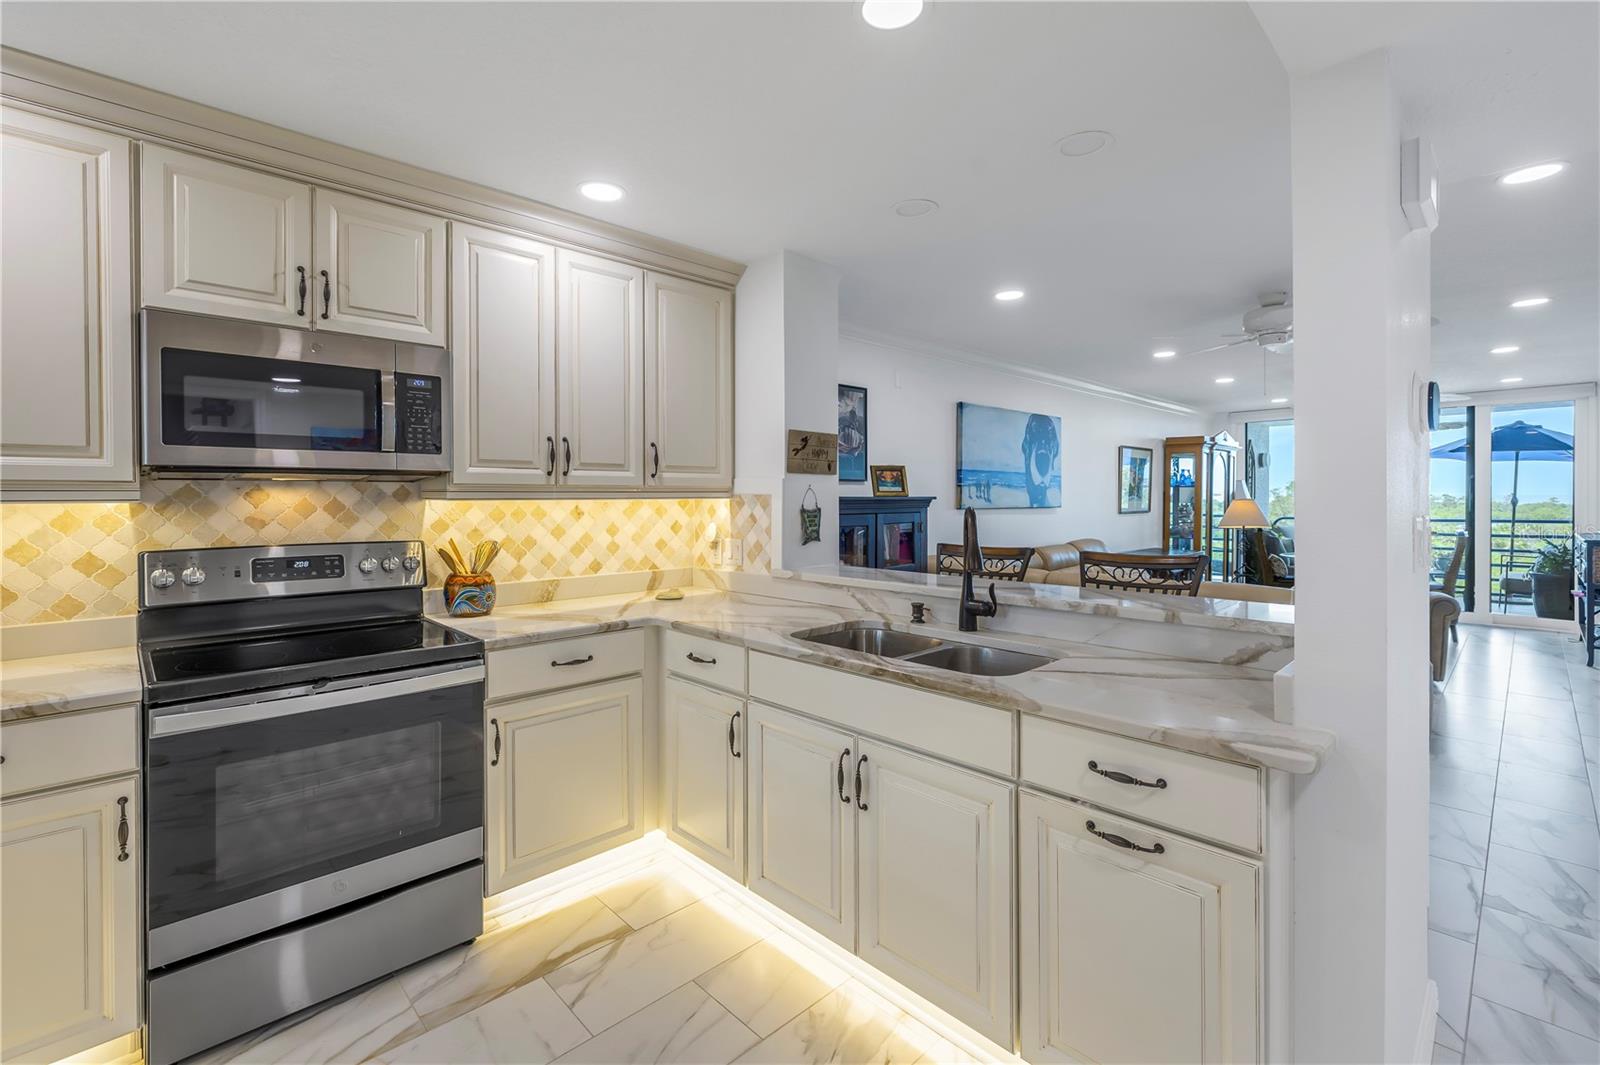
x=1499, y=1035
x=528, y=1025
x=606, y=985
x=1450, y=967
x=1546, y=683
x=1461, y=724
x=1473, y=705
x=1553, y=757
x=1449, y=752
x=1536, y=706
x=649, y=895
x=1507, y=937
x=1455, y=892
x=1485, y=683
x=1567, y=837
x=1561, y=729
x=686, y=1026
x=848, y=1025
x=459, y=981
x=1531, y=885
x=1553, y=996
x=350, y=1028
x=1457, y=835
x=770, y=983
x=1459, y=790
x=1443, y=1055
x=1550, y=790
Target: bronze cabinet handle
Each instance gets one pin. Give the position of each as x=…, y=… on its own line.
x=697, y=660
x=301, y=309
x=566, y=451
x=550, y=456
x=842, y=759
x=327, y=294
x=1123, y=842
x=733, y=724
x=122, y=829
x=495, y=724
x=655, y=461
x=860, y=805
x=573, y=661
x=1123, y=778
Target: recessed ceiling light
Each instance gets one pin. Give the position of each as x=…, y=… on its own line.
x=913, y=208
x=1509, y=380
x=1533, y=173
x=1505, y=349
x=603, y=191
x=1084, y=142
x=1280, y=399
x=1009, y=295
x=1162, y=354
x=1224, y=380
x=1531, y=301
x=890, y=14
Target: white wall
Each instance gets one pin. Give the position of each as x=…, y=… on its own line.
x=911, y=422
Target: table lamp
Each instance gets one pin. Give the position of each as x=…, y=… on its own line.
x=1242, y=513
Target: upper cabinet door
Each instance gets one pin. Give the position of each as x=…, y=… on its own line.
x=223, y=240
x=380, y=270
x=600, y=371
x=503, y=353
x=66, y=281
x=688, y=384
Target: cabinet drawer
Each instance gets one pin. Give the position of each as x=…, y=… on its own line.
x=44, y=752
x=564, y=663
x=706, y=661
x=1202, y=796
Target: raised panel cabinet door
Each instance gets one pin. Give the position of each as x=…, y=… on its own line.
x=379, y=270
x=599, y=371
x=69, y=922
x=935, y=883
x=224, y=240
x=1132, y=955
x=564, y=778
x=688, y=384
x=503, y=356
x=702, y=778
x=66, y=283
x=801, y=820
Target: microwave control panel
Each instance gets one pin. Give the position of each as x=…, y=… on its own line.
x=419, y=414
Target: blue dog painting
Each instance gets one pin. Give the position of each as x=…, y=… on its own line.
x=1007, y=458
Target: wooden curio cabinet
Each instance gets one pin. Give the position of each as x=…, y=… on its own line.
x=1200, y=471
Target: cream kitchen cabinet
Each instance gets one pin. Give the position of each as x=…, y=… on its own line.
x=66, y=338
x=702, y=773
x=688, y=384
x=565, y=778
x=69, y=964
x=1136, y=945
x=226, y=240
x=503, y=353
x=600, y=371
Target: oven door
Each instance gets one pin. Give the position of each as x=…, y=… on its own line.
x=262, y=811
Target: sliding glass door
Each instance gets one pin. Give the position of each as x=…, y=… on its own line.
x=1450, y=505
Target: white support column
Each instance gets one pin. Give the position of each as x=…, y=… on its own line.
x=1361, y=296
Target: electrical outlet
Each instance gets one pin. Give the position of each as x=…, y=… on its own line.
x=732, y=552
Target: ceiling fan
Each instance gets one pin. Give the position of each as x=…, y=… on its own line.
x=1270, y=325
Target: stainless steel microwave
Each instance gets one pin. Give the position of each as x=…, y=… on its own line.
x=228, y=396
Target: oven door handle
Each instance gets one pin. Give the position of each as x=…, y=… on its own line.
x=387, y=418
x=221, y=713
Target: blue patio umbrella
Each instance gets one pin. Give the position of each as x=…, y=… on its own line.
x=1515, y=442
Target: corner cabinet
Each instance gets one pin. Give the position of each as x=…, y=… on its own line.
x=66, y=338
x=688, y=384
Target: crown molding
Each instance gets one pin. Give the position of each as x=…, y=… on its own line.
x=37, y=83
x=1011, y=369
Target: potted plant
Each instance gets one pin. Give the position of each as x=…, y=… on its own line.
x=1552, y=580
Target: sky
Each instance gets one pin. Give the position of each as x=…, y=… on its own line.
x=1536, y=481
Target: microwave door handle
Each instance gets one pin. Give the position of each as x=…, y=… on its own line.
x=387, y=416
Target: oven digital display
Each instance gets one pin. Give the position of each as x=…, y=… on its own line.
x=296, y=568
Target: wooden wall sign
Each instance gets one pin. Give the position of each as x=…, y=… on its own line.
x=809, y=452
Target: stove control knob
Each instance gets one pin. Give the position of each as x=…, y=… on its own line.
x=162, y=577
x=367, y=565
x=412, y=563
x=391, y=564
x=193, y=575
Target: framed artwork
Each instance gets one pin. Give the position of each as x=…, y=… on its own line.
x=889, y=481
x=852, y=433
x=1134, y=465
x=1007, y=458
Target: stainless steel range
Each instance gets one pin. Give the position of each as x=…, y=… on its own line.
x=313, y=781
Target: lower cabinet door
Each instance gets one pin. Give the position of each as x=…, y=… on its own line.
x=69, y=922
x=1136, y=945
x=802, y=826
x=564, y=778
x=935, y=880
x=702, y=773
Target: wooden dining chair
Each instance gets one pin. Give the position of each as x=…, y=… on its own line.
x=1172, y=574
x=998, y=563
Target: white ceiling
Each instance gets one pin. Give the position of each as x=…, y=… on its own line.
x=746, y=128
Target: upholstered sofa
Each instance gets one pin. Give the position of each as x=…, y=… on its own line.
x=1058, y=564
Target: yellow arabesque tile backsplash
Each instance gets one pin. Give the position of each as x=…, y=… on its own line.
x=61, y=561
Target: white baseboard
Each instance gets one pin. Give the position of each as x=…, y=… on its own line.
x=1422, y=1053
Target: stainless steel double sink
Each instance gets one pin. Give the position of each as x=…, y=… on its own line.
x=974, y=659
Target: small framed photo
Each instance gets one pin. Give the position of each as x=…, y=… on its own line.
x=1133, y=479
x=889, y=481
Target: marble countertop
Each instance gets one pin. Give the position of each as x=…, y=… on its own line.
x=1209, y=708
x=1235, y=615
x=61, y=684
